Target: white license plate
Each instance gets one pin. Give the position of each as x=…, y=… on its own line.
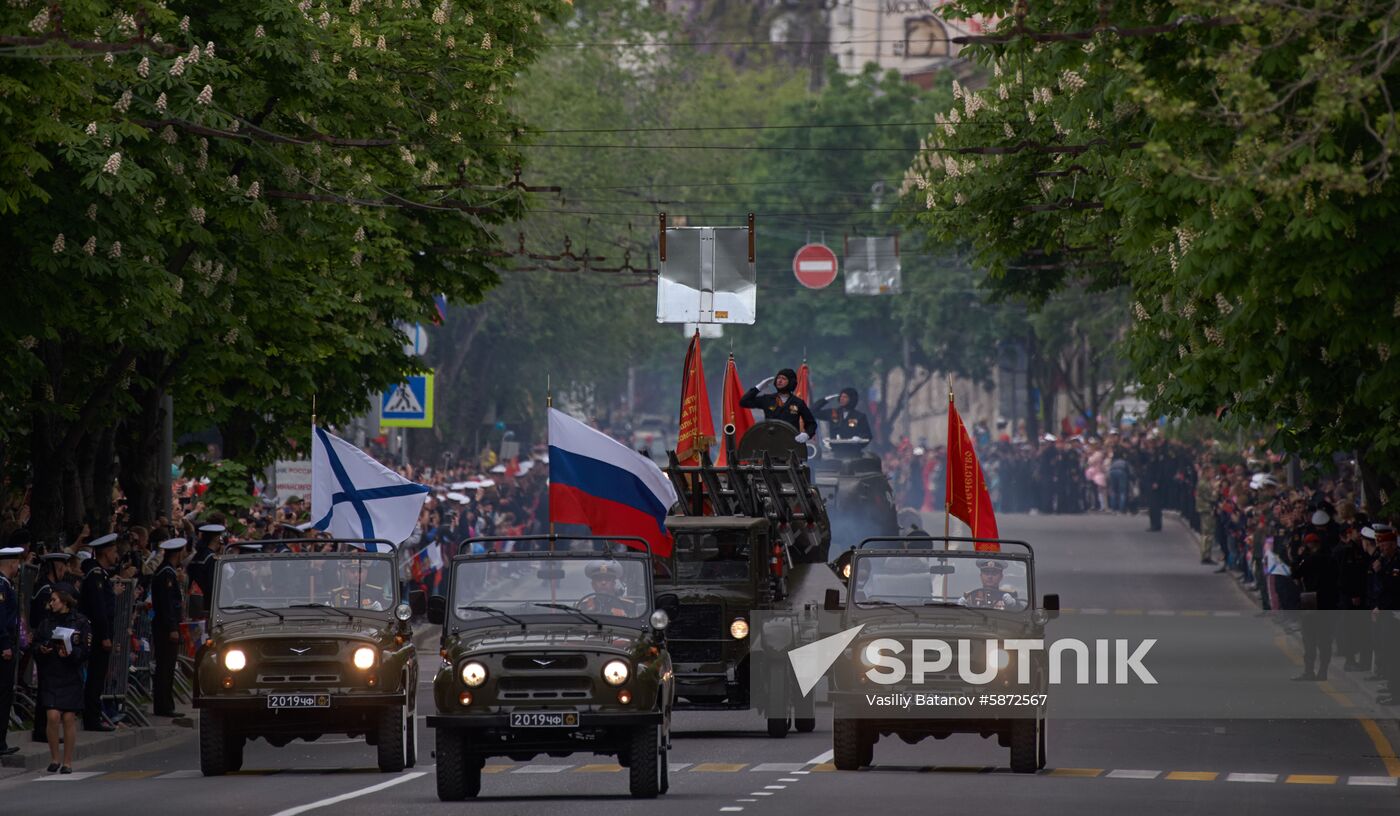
x=544, y=719
x=278, y=701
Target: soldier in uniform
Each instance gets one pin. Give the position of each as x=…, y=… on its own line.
x=606, y=597
x=847, y=421
x=990, y=595
x=784, y=405
x=168, y=603
x=205, y=560
x=53, y=572
x=9, y=639
x=1385, y=584
x=98, y=603
x=355, y=591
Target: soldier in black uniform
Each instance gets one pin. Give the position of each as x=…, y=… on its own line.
x=1316, y=573
x=783, y=405
x=205, y=560
x=54, y=571
x=98, y=603
x=9, y=639
x=990, y=595
x=1352, y=564
x=847, y=421
x=1154, y=484
x=169, y=606
x=1385, y=601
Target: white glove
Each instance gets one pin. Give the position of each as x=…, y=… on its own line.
x=831, y=397
x=765, y=383
x=802, y=438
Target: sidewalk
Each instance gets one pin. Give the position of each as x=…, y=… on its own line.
x=34, y=756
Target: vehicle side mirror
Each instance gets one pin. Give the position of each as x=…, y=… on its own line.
x=197, y=608
x=832, y=602
x=417, y=601
x=1050, y=604
x=437, y=609
x=670, y=603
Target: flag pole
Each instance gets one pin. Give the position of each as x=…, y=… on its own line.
x=948, y=463
x=549, y=403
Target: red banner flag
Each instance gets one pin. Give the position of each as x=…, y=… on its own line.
x=697, y=426
x=964, y=486
x=731, y=413
x=803, y=389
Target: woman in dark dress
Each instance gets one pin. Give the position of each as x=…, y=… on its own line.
x=61, y=673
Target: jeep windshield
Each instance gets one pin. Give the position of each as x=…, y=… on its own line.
x=554, y=588
x=366, y=584
x=717, y=556
x=974, y=580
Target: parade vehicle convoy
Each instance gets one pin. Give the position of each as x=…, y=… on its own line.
x=858, y=496
x=553, y=647
x=746, y=536
x=922, y=587
x=302, y=645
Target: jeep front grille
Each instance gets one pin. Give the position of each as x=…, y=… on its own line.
x=544, y=688
x=545, y=662
x=298, y=649
x=276, y=679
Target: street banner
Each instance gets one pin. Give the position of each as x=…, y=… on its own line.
x=697, y=426
x=964, y=485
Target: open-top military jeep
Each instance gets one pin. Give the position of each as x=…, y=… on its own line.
x=553, y=647
x=307, y=644
x=940, y=589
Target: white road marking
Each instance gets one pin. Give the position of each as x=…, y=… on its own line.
x=76, y=776
x=1134, y=774
x=1378, y=781
x=1251, y=777
x=1226, y=614
x=761, y=793
x=778, y=767
x=677, y=766
x=775, y=787
x=730, y=809
x=787, y=779
x=821, y=758
x=1093, y=611
x=355, y=794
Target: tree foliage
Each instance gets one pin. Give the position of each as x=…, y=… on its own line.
x=1233, y=169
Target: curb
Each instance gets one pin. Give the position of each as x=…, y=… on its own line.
x=33, y=756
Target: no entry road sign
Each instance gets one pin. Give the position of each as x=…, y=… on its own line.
x=815, y=266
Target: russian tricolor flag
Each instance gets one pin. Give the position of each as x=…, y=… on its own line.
x=596, y=481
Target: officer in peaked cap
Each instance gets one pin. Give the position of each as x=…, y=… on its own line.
x=168, y=603
x=990, y=595
x=606, y=596
x=98, y=601
x=205, y=559
x=9, y=639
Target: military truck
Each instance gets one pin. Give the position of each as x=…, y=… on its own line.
x=552, y=646
x=944, y=588
x=307, y=644
x=858, y=496
x=746, y=536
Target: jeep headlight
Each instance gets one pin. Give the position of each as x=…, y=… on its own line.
x=1001, y=658
x=363, y=658
x=616, y=672
x=739, y=629
x=473, y=674
x=235, y=660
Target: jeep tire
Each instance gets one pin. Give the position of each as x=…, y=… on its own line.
x=777, y=727
x=1025, y=746
x=648, y=764
x=1041, y=765
x=220, y=752
x=458, y=775
x=805, y=725
x=851, y=743
x=392, y=728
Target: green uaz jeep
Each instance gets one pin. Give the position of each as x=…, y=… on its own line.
x=307, y=644
x=551, y=648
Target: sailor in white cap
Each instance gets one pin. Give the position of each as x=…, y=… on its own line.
x=98, y=601
x=9, y=638
x=205, y=559
x=169, y=608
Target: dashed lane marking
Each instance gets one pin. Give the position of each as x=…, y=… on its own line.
x=1087, y=773
x=1193, y=776
x=76, y=776
x=1373, y=781
x=600, y=768
x=1311, y=779
x=1252, y=777
x=542, y=769
x=778, y=767
x=1131, y=774
x=719, y=767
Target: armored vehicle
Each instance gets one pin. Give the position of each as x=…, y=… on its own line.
x=941, y=588
x=858, y=496
x=552, y=647
x=307, y=644
x=746, y=536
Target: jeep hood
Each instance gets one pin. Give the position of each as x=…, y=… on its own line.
x=613, y=639
x=261, y=627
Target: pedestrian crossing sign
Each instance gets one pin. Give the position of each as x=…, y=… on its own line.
x=408, y=404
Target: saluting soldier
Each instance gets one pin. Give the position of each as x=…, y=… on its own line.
x=169, y=606
x=9, y=639
x=98, y=603
x=53, y=571
x=990, y=595
x=784, y=405
x=847, y=421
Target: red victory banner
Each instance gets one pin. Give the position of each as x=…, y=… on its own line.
x=697, y=427
x=731, y=412
x=803, y=389
x=964, y=486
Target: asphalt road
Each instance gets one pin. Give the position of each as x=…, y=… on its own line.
x=723, y=762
